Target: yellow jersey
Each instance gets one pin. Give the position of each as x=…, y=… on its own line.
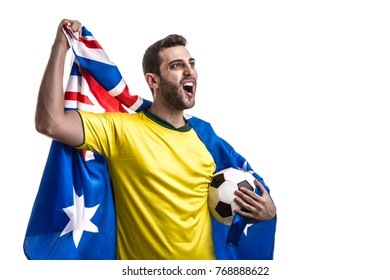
x=160, y=176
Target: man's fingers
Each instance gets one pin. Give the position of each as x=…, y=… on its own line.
x=261, y=187
x=75, y=25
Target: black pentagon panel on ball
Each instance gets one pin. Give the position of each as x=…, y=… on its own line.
x=217, y=180
x=224, y=209
x=246, y=185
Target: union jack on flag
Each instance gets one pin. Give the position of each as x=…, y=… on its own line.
x=73, y=216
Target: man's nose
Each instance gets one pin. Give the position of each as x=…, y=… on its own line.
x=188, y=70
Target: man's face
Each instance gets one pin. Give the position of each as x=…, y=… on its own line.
x=178, y=78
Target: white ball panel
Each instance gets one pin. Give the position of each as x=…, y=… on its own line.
x=226, y=192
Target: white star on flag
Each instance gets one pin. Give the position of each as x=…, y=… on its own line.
x=245, y=168
x=245, y=231
x=80, y=218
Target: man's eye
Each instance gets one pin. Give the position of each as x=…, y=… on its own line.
x=176, y=65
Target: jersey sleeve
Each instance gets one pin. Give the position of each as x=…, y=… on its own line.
x=103, y=132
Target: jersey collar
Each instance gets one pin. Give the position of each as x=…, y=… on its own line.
x=166, y=124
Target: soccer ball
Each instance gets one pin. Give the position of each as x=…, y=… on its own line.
x=221, y=192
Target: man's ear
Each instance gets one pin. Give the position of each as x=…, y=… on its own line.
x=152, y=80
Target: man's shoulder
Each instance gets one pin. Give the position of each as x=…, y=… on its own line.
x=110, y=114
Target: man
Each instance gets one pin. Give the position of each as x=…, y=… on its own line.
x=159, y=167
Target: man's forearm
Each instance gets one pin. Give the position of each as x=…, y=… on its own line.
x=50, y=105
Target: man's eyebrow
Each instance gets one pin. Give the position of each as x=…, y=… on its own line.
x=181, y=60
x=176, y=60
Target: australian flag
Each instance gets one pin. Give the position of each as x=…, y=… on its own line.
x=73, y=216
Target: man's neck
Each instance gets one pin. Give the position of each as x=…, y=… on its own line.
x=174, y=117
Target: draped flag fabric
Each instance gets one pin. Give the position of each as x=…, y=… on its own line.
x=73, y=215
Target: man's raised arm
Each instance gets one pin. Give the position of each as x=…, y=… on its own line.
x=50, y=116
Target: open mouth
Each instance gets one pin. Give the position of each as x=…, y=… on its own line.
x=189, y=87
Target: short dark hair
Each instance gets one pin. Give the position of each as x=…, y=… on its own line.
x=152, y=60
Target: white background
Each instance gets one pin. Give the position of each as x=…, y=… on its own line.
x=299, y=88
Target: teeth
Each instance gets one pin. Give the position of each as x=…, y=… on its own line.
x=190, y=84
